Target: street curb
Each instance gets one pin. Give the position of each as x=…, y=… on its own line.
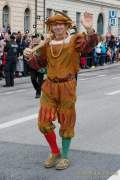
x=82, y=71
x=110, y=66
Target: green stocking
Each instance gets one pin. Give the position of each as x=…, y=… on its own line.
x=65, y=146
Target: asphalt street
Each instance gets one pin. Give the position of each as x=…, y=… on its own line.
x=95, y=150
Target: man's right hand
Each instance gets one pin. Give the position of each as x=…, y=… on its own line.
x=28, y=53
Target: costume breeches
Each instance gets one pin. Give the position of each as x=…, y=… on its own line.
x=58, y=102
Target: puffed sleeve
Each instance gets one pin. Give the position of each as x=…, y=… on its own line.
x=39, y=59
x=85, y=42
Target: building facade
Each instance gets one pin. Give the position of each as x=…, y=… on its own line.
x=20, y=15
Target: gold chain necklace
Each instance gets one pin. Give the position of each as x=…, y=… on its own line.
x=59, y=53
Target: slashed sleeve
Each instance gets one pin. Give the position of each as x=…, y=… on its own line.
x=39, y=59
x=85, y=42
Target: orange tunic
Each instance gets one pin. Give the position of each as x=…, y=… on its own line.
x=58, y=99
x=68, y=61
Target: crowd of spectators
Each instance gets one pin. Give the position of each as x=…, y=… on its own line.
x=22, y=41
x=106, y=52
x=12, y=60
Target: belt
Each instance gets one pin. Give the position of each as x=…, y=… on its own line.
x=60, y=80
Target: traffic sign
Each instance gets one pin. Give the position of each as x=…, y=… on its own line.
x=112, y=18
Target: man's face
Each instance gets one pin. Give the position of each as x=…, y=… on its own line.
x=58, y=28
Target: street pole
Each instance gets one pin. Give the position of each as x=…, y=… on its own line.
x=35, y=16
x=44, y=9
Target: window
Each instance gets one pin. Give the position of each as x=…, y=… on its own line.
x=78, y=20
x=49, y=12
x=100, y=24
x=27, y=20
x=5, y=16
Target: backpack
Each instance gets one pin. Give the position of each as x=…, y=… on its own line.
x=4, y=59
x=108, y=53
x=103, y=48
x=98, y=50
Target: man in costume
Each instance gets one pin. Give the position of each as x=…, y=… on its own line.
x=62, y=52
